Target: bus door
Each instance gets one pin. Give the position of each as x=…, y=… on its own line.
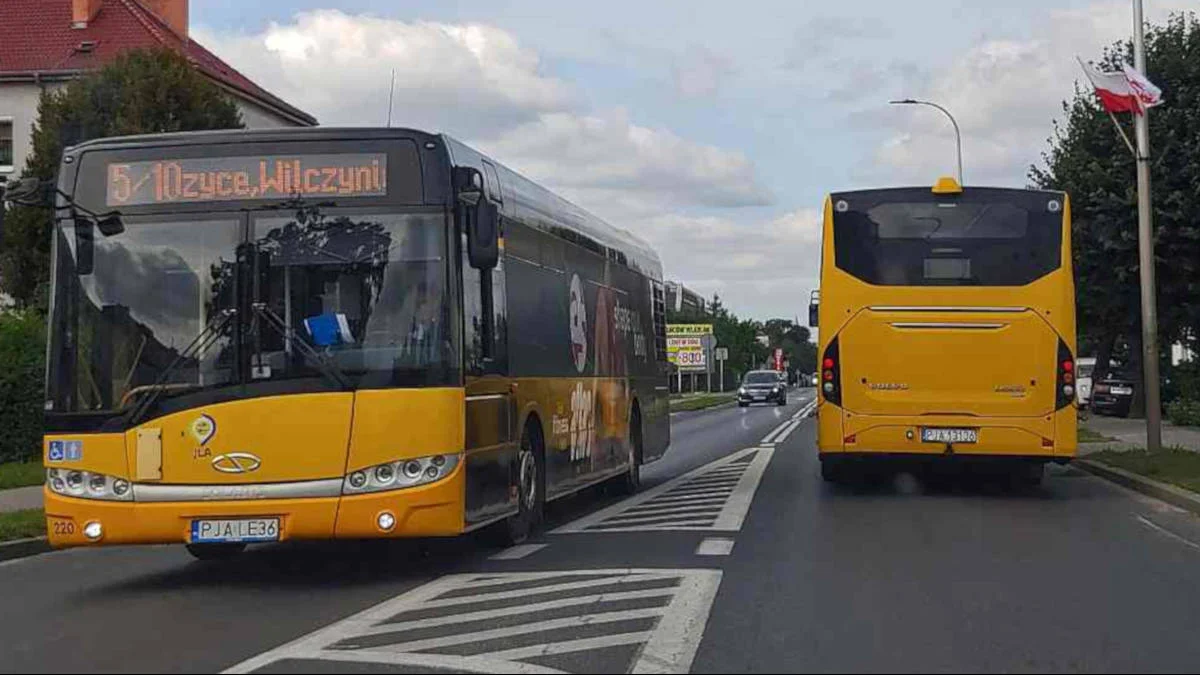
x=491, y=438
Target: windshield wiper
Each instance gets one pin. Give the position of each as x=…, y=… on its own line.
x=201, y=342
x=327, y=367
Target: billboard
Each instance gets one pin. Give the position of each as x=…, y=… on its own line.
x=688, y=346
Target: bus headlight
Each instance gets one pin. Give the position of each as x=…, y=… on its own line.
x=88, y=485
x=404, y=473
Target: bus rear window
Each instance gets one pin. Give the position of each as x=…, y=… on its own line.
x=990, y=237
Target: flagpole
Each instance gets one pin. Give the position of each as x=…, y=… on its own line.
x=1146, y=249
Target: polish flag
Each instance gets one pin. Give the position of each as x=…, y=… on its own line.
x=1124, y=91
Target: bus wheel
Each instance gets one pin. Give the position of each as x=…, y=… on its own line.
x=629, y=482
x=531, y=498
x=215, y=551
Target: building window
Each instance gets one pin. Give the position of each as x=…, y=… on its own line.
x=6, y=145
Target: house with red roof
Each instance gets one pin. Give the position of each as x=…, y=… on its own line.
x=46, y=43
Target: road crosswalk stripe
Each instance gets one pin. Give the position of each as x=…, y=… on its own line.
x=720, y=492
x=662, y=594
x=666, y=624
x=520, y=629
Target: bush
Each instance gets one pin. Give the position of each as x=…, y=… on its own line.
x=22, y=369
x=1184, y=412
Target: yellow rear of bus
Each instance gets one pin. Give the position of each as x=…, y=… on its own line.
x=947, y=328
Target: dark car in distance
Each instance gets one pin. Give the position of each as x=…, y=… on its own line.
x=1113, y=395
x=762, y=386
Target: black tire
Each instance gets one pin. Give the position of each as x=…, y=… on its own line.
x=210, y=552
x=783, y=400
x=743, y=404
x=531, y=487
x=630, y=482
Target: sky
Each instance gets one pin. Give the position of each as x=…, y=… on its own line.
x=711, y=129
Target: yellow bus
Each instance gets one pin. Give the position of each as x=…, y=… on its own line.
x=335, y=333
x=947, y=328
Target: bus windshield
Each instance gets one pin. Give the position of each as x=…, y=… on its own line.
x=988, y=237
x=175, y=305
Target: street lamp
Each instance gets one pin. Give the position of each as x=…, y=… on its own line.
x=957, y=135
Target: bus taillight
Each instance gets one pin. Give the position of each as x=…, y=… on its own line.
x=831, y=387
x=1066, y=377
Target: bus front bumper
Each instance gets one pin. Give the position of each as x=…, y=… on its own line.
x=426, y=511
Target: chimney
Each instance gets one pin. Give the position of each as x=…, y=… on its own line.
x=83, y=11
x=173, y=12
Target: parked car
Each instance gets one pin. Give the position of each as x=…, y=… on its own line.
x=1083, y=379
x=762, y=386
x=1114, y=394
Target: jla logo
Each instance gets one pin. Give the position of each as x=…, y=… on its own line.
x=583, y=422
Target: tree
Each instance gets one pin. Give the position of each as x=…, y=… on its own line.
x=1088, y=159
x=140, y=92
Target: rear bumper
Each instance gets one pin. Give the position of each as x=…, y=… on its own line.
x=426, y=511
x=1051, y=437
x=768, y=398
x=979, y=461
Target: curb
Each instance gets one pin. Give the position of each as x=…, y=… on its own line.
x=23, y=548
x=718, y=406
x=1175, y=496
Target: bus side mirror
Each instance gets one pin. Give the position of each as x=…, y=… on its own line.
x=483, y=236
x=812, y=314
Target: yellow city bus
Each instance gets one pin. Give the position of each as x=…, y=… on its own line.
x=947, y=328
x=335, y=333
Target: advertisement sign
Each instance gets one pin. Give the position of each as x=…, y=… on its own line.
x=688, y=345
x=692, y=329
x=778, y=359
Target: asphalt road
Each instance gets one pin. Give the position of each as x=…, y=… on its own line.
x=735, y=557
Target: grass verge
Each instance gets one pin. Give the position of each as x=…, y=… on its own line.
x=699, y=401
x=1086, y=435
x=1170, y=465
x=22, y=524
x=21, y=474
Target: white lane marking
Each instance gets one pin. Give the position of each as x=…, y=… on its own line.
x=715, y=546
x=738, y=506
x=771, y=436
x=1162, y=530
x=453, y=664
x=521, y=629
x=521, y=593
x=517, y=552
x=787, y=432
x=599, y=516
x=569, y=646
x=806, y=410
x=465, y=617
x=671, y=637
x=728, y=514
x=673, y=645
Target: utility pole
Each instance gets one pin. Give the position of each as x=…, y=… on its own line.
x=1146, y=250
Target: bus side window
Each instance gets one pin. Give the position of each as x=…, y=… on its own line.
x=485, y=318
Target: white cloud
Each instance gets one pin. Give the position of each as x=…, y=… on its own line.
x=756, y=266
x=473, y=79
x=1004, y=94
x=607, y=155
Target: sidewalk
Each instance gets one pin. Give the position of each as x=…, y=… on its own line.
x=1131, y=433
x=18, y=499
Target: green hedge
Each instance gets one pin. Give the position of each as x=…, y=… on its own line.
x=1184, y=412
x=22, y=359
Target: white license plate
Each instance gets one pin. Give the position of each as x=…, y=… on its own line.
x=1122, y=391
x=945, y=435
x=240, y=530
